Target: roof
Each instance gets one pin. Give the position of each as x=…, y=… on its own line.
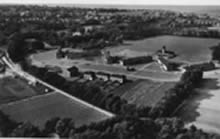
x=118, y=76
x=88, y=72
x=163, y=61
x=102, y=73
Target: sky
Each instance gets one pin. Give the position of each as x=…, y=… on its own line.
x=130, y=2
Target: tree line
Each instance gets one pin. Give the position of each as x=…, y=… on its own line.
x=108, y=101
x=117, y=127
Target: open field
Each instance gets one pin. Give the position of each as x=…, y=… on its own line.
x=43, y=108
x=203, y=109
x=188, y=49
x=12, y=89
x=143, y=92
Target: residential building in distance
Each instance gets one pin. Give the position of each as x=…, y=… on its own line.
x=102, y=75
x=165, y=64
x=119, y=78
x=89, y=75
x=136, y=60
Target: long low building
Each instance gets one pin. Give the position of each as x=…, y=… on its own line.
x=102, y=75
x=90, y=75
x=119, y=78
x=136, y=60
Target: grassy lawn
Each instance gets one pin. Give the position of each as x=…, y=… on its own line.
x=12, y=89
x=143, y=92
x=43, y=108
x=188, y=49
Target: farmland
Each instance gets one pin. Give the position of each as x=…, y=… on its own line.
x=13, y=89
x=203, y=108
x=143, y=92
x=49, y=106
x=188, y=49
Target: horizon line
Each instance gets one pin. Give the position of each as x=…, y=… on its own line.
x=112, y=4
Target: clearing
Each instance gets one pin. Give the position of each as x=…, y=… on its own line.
x=42, y=108
x=13, y=89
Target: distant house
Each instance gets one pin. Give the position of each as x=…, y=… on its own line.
x=60, y=54
x=74, y=71
x=165, y=64
x=103, y=76
x=136, y=60
x=76, y=34
x=117, y=77
x=89, y=75
x=54, y=69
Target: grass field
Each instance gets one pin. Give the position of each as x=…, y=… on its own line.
x=203, y=109
x=187, y=48
x=41, y=109
x=12, y=89
x=143, y=92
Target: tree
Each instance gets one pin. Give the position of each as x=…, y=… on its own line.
x=25, y=130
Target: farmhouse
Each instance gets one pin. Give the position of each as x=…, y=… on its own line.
x=166, y=65
x=102, y=75
x=119, y=78
x=165, y=53
x=136, y=60
x=54, y=69
x=89, y=75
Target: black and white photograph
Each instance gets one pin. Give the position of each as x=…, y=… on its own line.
x=110, y=69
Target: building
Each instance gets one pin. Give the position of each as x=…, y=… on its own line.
x=74, y=71
x=89, y=75
x=165, y=64
x=54, y=69
x=119, y=78
x=136, y=60
x=166, y=53
x=103, y=76
x=60, y=53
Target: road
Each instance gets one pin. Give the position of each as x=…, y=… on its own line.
x=31, y=78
